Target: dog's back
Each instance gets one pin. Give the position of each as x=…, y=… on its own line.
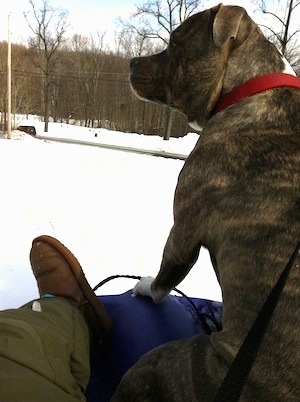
x=253, y=229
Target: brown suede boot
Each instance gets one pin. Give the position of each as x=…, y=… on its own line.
x=58, y=272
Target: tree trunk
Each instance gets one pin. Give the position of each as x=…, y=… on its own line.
x=286, y=28
x=169, y=122
x=47, y=106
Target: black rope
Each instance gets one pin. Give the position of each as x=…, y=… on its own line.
x=232, y=386
x=110, y=278
x=200, y=316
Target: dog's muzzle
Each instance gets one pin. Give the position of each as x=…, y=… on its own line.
x=146, y=78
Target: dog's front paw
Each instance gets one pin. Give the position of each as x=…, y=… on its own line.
x=143, y=287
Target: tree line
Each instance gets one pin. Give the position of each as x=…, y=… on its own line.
x=80, y=80
x=87, y=85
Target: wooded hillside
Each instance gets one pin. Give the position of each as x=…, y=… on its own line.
x=90, y=86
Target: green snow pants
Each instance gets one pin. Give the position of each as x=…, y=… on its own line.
x=44, y=352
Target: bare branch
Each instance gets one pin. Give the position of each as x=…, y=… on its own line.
x=284, y=16
x=48, y=27
x=157, y=18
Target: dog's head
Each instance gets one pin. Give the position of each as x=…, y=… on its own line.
x=203, y=60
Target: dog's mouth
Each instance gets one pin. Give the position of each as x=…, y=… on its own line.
x=145, y=87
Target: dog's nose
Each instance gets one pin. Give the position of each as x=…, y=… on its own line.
x=134, y=62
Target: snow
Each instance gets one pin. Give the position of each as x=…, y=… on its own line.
x=112, y=209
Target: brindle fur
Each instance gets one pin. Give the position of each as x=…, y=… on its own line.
x=238, y=195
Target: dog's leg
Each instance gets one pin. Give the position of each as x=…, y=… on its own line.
x=180, y=254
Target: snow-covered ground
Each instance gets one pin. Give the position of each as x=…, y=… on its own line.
x=112, y=209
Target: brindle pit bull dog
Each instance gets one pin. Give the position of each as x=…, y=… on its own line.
x=238, y=195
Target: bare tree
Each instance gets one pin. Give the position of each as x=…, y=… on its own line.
x=88, y=58
x=156, y=19
x=130, y=44
x=286, y=35
x=48, y=26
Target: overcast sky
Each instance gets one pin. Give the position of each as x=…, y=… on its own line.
x=88, y=16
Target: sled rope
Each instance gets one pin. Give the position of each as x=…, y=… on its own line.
x=201, y=316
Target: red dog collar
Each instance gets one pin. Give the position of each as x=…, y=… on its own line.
x=255, y=86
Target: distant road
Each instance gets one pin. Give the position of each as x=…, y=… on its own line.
x=163, y=154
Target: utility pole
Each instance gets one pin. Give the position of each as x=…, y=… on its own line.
x=8, y=80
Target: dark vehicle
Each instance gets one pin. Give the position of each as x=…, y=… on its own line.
x=28, y=130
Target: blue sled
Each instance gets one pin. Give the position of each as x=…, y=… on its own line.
x=139, y=326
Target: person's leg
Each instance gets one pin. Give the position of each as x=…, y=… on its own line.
x=44, y=345
x=44, y=350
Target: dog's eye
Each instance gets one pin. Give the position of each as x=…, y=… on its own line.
x=172, y=43
x=174, y=39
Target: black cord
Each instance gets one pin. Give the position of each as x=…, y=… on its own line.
x=110, y=278
x=200, y=316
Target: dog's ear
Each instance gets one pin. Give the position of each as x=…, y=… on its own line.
x=231, y=23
